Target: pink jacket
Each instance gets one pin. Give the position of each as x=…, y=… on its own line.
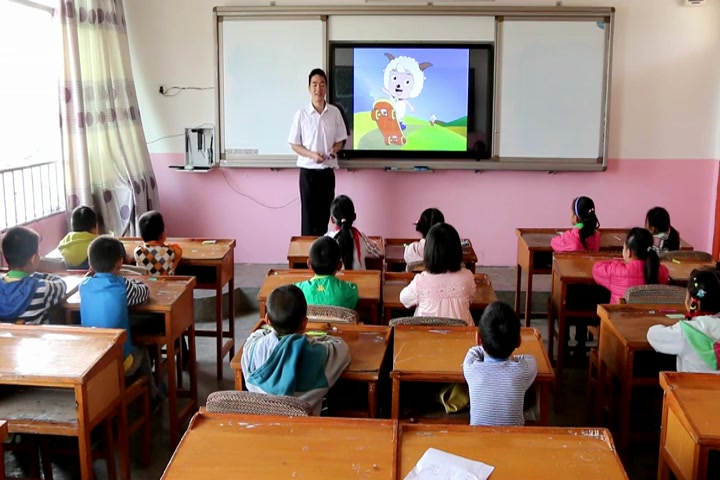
x=441, y=295
x=570, y=242
x=617, y=276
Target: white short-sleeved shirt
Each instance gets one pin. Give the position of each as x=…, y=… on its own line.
x=317, y=132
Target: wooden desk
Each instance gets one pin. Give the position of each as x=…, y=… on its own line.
x=690, y=424
x=299, y=252
x=623, y=333
x=81, y=368
x=576, y=269
x=3, y=436
x=214, y=267
x=260, y=447
x=171, y=298
x=395, y=282
x=436, y=354
x=680, y=270
x=395, y=254
x=517, y=452
x=534, y=254
x=368, y=346
x=368, y=282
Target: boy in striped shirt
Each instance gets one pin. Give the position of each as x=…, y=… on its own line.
x=498, y=380
x=26, y=295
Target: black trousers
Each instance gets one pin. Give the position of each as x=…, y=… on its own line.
x=317, y=190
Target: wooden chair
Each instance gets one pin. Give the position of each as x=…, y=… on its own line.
x=689, y=255
x=332, y=314
x=429, y=321
x=415, y=267
x=655, y=294
x=250, y=403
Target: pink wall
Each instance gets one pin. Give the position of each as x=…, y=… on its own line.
x=51, y=230
x=485, y=207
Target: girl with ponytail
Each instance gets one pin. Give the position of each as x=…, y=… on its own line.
x=585, y=236
x=354, y=245
x=640, y=265
x=695, y=340
x=666, y=238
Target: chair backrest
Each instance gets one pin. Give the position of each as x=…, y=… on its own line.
x=250, y=403
x=430, y=321
x=331, y=314
x=415, y=267
x=687, y=255
x=662, y=294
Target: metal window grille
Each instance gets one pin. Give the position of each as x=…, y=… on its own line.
x=31, y=193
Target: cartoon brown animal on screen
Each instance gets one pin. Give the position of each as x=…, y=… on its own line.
x=383, y=113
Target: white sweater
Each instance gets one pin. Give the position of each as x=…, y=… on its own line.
x=671, y=340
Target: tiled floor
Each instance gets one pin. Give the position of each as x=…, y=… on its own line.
x=641, y=463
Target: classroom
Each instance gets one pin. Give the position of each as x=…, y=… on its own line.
x=500, y=218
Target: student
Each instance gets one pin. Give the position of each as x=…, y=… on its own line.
x=74, y=246
x=665, y=237
x=354, y=245
x=640, y=266
x=498, y=380
x=696, y=341
x=325, y=288
x=446, y=288
x=154, y=254
x=281, y=360
x=105, y=298
x=428, y=218
x=25, y=294
x=584, y=237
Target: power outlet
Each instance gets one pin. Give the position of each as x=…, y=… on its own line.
x=162, y=90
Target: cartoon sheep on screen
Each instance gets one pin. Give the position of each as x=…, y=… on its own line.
x=404, y=79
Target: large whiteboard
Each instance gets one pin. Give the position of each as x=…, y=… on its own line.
x=264, y=81
x=552, y=89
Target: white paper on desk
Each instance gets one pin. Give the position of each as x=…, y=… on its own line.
x=438, y=465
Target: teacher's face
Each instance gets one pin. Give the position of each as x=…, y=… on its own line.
x=317, y=88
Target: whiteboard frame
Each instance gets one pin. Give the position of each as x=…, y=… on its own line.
x=321, y=13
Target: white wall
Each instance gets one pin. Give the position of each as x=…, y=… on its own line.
x=665, y=90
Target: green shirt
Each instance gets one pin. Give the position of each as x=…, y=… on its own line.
x=329, y=290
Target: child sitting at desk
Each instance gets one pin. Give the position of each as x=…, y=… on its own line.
x=104, y=300
x=354, y=245
x=446, y=288
x=325, y=288
x=283, y=361
x=74, y=246
x=25, y=294
x=696, y=341
x=428, y=218
x=665, y=237
x=154, y=254
x=584, y=237
x=497, y=381
x=640, y=266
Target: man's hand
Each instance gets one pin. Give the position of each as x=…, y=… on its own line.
x=317, y=157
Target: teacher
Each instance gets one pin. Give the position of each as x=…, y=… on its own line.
x=317, y=135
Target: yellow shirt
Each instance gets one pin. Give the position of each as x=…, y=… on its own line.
x=74, y=247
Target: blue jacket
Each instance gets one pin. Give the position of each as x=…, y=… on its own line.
x=15, y=297
x=104, y=304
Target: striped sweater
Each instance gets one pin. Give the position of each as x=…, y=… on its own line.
x=27, y=298
x=497, y=387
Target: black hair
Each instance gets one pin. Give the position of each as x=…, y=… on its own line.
x=286, y=309
x=83, y=219
x=443, y=250
x=19, y=244
x=499, y=329
x=104, y=253
x=317, y=71
x=704, y=291
x=342, y=211
x=324, y=256
x=151, y=225
x=659, y=219
x=428, y=218
x=584, y=210
x=640, y=242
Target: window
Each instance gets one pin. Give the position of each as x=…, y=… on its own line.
x=31, y=168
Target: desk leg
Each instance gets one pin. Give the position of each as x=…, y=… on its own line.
x=192, y=352
x=231, y=307
x=2, y=462
x=172, y=392
x=372, y=399
x=518, y=286
x=84, y=444
x=387, y=316
x=528, y=298
x=374, y=314
x=544, y=401
x=123, y=440
x=663, y=467
x=219, y=328
x=600, y=388
x=395, y=398
x=110, y=446
x=625, y=403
